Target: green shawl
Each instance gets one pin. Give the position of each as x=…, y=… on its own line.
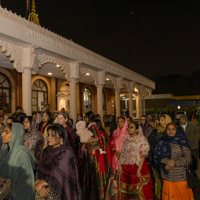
x=13, y=165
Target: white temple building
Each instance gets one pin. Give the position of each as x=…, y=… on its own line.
x=38, y=66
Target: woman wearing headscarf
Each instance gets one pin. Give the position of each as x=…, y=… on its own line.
x=58, y=169
x=33, y=139
x=152, y=139
x=115, y=146
x=172, y=156
x=135, y=180
x=17, y=163
x=93, y=167
x=146, y=126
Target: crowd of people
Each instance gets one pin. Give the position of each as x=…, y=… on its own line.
x=50, y=156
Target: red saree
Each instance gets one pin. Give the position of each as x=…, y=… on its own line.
x=131, y=187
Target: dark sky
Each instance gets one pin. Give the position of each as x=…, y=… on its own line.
x=153, y=38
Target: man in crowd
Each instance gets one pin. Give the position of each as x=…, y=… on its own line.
x=190, y=129
x=2, y=114
x=47, y=108
x=19, y=111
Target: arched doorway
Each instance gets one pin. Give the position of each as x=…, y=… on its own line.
x=39, y=95
x=87, y=99
x=5, y=93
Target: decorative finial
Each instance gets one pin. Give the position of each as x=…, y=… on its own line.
x=33, y=16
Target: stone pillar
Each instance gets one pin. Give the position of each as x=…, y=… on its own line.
x=117, y=97
x=131, y=104
x=143, y=106
x=126, y=106
x=139, y=106
x=53, y=93
x=72, y=86
x=100, y=100
x=27, y=92
x=73, y=79
x=28, y=68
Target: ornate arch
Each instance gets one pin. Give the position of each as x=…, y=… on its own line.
x=112, y=79
x=124, y=82
x=13, y=91
x=46, y=59
x=92, y=73
x=46, y=81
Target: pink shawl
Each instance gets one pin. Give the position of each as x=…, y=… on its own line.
x=117, y=141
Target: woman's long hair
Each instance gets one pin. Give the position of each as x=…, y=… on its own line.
x=99, y=125
x=90, y=116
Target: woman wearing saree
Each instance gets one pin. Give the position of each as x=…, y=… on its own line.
x=115, y=146
x=106, y=145
x=58, y=177
x=135, y=181
x=62, y=119
x=33, y=139
x=145, y=125
x=152, y=139
x=93, y=167
x=17, y=163
x=172, y=156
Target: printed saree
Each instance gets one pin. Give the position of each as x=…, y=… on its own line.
x=134, y=188
x=92, y=170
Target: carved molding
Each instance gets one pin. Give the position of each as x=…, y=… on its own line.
x=14, y=52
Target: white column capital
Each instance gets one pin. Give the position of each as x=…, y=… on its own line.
x=118, y=84
x=74, y=71
x=101, y=78
x=28, y=59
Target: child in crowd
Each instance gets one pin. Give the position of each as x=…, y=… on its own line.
x=84, y=134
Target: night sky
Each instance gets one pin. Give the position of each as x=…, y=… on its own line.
x=153, y=38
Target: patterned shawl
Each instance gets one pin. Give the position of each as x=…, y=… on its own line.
x=117, y=141
x=146, y=128
x=133, y=149
x=59, y=168
x=163, y=147
x=33, y=139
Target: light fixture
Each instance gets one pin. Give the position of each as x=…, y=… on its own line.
x=179, y=107
x=123, y=97
x=107, y=79
x=87, y=74
x=57, y=65
x=49, y=73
